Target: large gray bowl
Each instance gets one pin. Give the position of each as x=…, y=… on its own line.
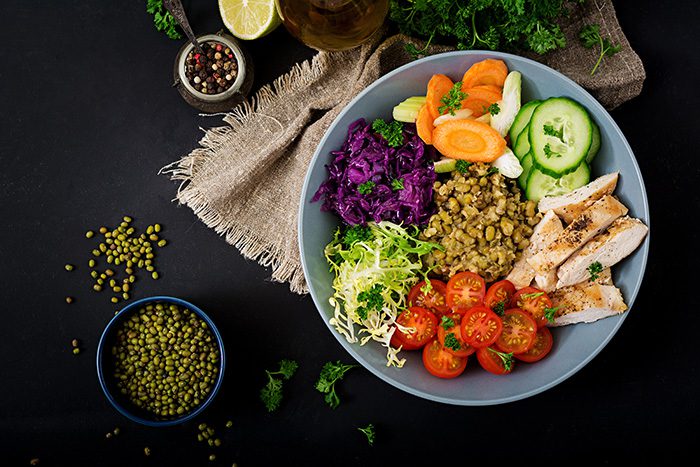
x=574, y=345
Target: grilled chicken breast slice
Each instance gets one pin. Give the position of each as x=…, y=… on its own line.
x=570, y=205
x=546, y=230
x=622, y=237
x=590, y=223
x=586, y=302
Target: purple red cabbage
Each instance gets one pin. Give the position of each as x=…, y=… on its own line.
x=366, y=157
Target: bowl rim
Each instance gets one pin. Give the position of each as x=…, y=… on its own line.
x=643, y=249
x=117, y=318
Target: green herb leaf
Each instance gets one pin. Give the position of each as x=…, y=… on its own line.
x=369, y=433
x=451, y=342
x=549, y=130
x=391, y=132
x=271, y=394
x=331, y=373
x=162, y=19
x=397, y=184
x=447, y=323
x=373, y=300
x=494, y=109
x=499, y=308
x=366, y=188
x=452, y=100
x=506, y=358
x=550, y=312
x=590, y=37
x=594, y=269
x=492, y=170
x=356, y=233
x=462, y=166
x=549, y=153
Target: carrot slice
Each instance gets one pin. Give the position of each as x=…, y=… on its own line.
x=424, y=124
x=489, y=71
x=469, y=140
x=479, y=98
x=438, y=86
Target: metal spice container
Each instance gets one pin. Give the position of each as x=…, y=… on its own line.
x=215, y=102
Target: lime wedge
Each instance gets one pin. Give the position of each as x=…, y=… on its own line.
x=249, y=19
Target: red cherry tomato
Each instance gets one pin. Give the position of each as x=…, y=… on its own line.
x=493, y=361
x=501, y=291
x=464, y=290
x=424, y=322
x=480, y=326
x=441, y=363
x=450, y=324
x=541, y=348
x=519, y=332
x=434, y=299
x=534, y=301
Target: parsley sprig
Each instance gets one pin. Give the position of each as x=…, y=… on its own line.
x=594, y=269
x=331, y=373
x=356, y=233
x=452, y=100
x=462, y=166
x=590, y=37
x=369, y=432
x=271, y=394
x=391, y=132
x=373, y=300
x=162, y=18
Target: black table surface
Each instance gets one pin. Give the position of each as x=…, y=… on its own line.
x=89, y=117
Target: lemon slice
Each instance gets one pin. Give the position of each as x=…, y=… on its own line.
x=249, y=19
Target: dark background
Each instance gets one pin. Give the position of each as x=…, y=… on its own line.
x=89, y=117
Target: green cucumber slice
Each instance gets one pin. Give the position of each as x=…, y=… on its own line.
x=522, y=119
x=526, y=162
x=522, y=144
x=445, y=165
x=560, y=136
x=595, y=143
x=540, y=184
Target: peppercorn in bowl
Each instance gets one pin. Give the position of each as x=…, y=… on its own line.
x=160, y=361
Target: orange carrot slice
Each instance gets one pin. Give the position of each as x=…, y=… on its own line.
x=479, y=98
x=489, y=71
x=469, y=140
x=438, y=86
x=424, y=124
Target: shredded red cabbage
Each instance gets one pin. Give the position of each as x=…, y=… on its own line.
x=403, y=178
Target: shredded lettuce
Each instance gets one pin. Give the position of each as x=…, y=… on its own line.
x=373, y=276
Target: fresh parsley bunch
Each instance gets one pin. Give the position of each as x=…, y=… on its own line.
x=162, y=18
x=510, y=25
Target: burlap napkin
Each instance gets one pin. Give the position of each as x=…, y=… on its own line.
x=245, y=179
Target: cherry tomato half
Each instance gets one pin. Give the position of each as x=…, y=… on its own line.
x=493, y=361
x=519, y=332
x=434, y=299
x=464, y=290
x=480, y=326
x=450, y=324
x=424, y=322
x=501, y=291
x=541, y=348
x=534, y=301
x=441, y=363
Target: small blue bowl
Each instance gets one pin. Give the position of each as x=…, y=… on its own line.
x=108, y=384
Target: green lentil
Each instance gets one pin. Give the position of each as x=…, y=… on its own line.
x=229, y=424
x=115, y=299
x=212, y=457
x=69, y=267
x=91, y=263
x=97, y=288
x=127, y=219
x=116, y=431
x=69, y=300
x=162, y=243
x=154, y=275
x=74, y=342
x=147, y=451
x=76, y=351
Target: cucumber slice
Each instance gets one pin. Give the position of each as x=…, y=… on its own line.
x=509, y=104
x=407, y=110
x=595, y=143
x=560, y=136
x=445, y=165
x=522, y=144
x=527, y=167
x=522, y=119
x=540, y=184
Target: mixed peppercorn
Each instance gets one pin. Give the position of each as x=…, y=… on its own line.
x=213, y=72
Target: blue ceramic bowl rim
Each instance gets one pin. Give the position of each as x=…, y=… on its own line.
x=117, y=319
x=350, y=348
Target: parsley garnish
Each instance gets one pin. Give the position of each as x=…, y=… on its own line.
x=397, y=184
x=549, y=153
x=492, y=170
x=499, y=308
x=356, y=233
x=447, y=323
x=391, y=132
x=550, y=131
x=373, y=300
x=330, y=374
x=506, y=358
x=594, y=270
x=426, y=288
x=462, y=166
x=451, y=342
x=366, y=188
x=162, y=18
x=494, y=109
x=590, y=37
x=369, y=433
x=452, y=100
x=550, y=312
x=271, y=394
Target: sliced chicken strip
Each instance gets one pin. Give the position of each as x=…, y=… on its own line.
x=586, y=302
x=590, y=223
x=608, y=248
x=546, y=230
x=570, y=205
